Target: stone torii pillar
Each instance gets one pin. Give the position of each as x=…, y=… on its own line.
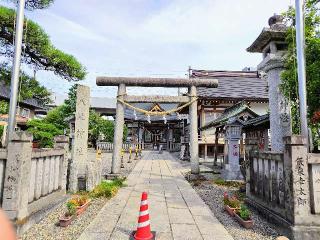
x=122, y=82
x=118, y=131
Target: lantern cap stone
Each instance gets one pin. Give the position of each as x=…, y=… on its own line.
x=275, y=32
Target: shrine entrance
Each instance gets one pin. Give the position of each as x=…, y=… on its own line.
x=125, y=101
x=156, y=132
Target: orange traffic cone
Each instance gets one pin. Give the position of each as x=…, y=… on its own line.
x=143, y=230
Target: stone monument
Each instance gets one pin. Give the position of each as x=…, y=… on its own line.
x=80, y=146
x=271, y=43
x=231, y=170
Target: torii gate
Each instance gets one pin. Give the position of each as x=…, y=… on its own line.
x=123, y=82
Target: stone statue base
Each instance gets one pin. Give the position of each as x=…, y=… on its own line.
x=231, y=172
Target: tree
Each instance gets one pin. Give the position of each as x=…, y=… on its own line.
x=4, y=107
x=57, y=117
x=30, y=87
x=289, y=76
x=36, y=4
x=102, y=129
x=43, y=132
x=38, y=51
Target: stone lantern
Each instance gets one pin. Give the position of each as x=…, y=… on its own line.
x=271, y=43
x=233, y=135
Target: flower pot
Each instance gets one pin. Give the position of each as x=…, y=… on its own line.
x=230, y=210
x=65, y=221
x=81, y=209
x=246, y=224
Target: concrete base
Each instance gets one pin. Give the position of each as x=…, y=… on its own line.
x=231, y=172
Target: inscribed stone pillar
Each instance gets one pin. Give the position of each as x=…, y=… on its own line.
x=280, y=123
x=63, y=142
x=118, y=131
x=17, y=177
x=80, y=148
x=194, y=146
x=297, y=180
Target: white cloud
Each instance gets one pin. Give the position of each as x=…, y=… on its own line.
x=153, y=37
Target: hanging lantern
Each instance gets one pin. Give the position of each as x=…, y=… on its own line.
x=164, y=119
x=178, y=116
x=135, y=115
x=148, y=118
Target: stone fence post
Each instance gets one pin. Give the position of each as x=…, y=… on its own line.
x=17, y=177
x=297, y=193
x=62, y=142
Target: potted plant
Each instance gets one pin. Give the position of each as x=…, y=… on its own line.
x=82, y=203
x=243, y=216
x=231, y=204
x=67, y=218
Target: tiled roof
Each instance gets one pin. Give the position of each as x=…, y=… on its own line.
x=229, y=113
x=5, y=94
x=263, y=119
x=233, y=85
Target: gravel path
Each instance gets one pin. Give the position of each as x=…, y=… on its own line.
x=49, y=229
x=212, y=195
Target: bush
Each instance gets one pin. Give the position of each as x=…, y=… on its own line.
x=222, y=182
x=244, y=213
x=232, y=202
x=72, y=208
x=43, y=132
x=107, y=188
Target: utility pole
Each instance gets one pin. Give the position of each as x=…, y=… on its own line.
x=16, y=69
x=300, y=40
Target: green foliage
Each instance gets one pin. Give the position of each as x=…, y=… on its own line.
x=4, y=107
x=232, y=202
x=29, y=86
x=101, y=128
x=36, y=4
x=1, y=133
x=71, y=102
x=39, y=51
x=72, y=208
x=43, y=132
x=222, y=182
x=107, y=188
x=312, y=50
x=244, y=213
x=56, y=116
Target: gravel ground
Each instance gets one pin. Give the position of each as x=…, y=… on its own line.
x=49, y=229
x=212, y=195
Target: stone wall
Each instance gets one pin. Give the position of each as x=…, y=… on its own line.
x=108, y=146
x=285, y=187
x=35, y=179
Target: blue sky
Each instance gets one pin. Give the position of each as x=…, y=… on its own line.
x=153, y=37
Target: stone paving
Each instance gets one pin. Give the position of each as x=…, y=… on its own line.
x=176, y=211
